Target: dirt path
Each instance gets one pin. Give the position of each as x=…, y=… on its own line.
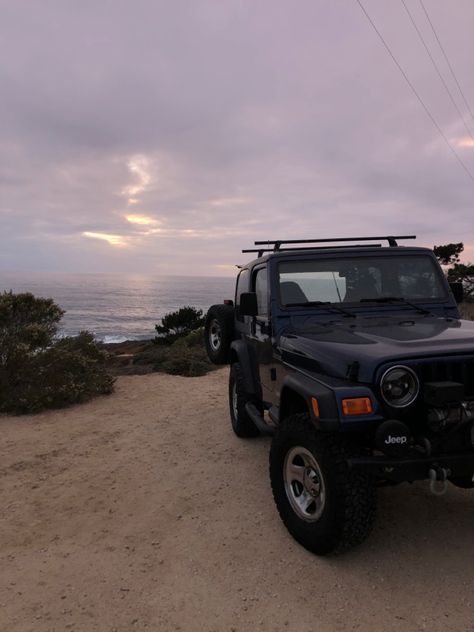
x=142, y=511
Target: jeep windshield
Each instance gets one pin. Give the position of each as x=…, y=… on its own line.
x=363, y=279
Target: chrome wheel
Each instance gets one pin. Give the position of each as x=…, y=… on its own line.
x=215, y=335
x=304, y=484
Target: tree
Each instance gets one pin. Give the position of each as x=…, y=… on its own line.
x=27, y=322
x=179, y=323
x=38, y=371
x=449, y=253
x=463, y=273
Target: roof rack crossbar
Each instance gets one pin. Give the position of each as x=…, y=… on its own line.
x=262, y=250
x=392, y=240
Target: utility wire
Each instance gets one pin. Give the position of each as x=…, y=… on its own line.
x=447, y=60
x=413, y=89
x=436, y=67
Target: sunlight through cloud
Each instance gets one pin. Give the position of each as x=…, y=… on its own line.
x=113, y=240
x=465, y=142
x=139, y=168
x=143, y=220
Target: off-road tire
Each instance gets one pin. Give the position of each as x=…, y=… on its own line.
x=219, y=333
x=347, y=511
x=242, y=425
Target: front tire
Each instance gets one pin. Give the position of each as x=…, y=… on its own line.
x=242, y=425
x=326, y=506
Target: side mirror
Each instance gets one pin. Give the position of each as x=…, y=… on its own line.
x=457, y=290
x=248, y=304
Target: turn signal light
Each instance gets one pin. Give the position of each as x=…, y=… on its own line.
x=357, y=406
x=315, y=405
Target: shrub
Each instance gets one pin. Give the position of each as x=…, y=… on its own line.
x=38, y=372
x=178, y=324
x=186, y=356
x=187, y=363
x=193, y=339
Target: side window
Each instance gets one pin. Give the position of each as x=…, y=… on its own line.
x=242, y=286
x=261, y=288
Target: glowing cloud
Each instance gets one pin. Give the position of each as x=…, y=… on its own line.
x=143, y=220
x=113, y=240
x=139, y=167
x=465, y=142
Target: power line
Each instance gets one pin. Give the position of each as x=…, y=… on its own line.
x=447, y=60
x=436, y=67
x=413, y=89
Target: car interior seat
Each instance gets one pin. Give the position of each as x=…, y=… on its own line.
x=291, y=292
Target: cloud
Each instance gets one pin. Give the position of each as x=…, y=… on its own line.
x=139, y=168
x=113, y=240
x=141, y=220
x=465, y=142
x=186, y=131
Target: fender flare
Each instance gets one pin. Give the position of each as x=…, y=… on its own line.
x=244, y=354
x=307, y=388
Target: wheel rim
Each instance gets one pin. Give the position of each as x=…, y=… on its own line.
x=304, y=484
x=215, y=335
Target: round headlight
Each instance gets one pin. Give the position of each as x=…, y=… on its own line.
x=399, y=386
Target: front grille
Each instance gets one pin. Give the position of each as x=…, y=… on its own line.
x=447, y=370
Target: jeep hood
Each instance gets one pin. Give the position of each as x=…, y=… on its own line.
x=331, y=348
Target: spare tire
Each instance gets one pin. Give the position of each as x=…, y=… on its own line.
x=219, y=333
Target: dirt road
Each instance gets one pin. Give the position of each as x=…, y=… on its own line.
x=142, y=511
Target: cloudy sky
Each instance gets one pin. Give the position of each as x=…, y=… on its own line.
x=164, y=136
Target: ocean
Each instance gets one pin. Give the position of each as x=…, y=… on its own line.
x=116, y=308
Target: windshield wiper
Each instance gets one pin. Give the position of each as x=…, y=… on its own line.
x=396, y=299
x=325, y=304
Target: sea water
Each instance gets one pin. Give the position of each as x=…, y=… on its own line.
x=118, y=307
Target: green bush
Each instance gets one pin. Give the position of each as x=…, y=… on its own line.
x=186, y=356
x=37, y=371
x=178, y=324
x=193, y=339
x=188, y=364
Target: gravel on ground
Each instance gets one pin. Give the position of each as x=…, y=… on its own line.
x=142, y=511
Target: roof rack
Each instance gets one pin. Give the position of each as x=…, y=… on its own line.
x=392, y=242
x=310, y=248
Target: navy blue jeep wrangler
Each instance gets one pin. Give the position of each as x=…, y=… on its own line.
x=355, y=359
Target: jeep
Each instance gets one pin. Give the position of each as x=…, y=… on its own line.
x=354, y=358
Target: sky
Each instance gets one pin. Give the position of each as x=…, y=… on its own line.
x=162, y=137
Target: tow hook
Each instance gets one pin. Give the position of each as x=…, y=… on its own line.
x=440, y=475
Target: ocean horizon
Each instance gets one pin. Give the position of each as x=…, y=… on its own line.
x=117, y=307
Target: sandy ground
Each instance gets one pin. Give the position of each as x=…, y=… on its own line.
x=142, y=511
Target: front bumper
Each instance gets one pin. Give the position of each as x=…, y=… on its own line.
x=414, y=468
